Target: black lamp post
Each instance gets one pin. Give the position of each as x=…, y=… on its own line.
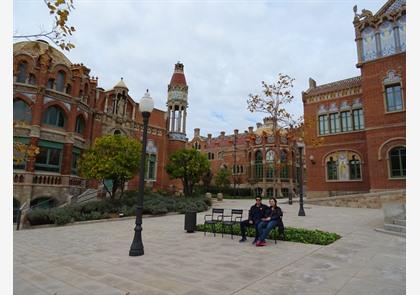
x=235, y=168
x=301, y=210
x=146, y=107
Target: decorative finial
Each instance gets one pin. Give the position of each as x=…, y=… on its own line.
x=147, y=90
x=121, y=78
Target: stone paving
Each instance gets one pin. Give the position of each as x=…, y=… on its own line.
x=93, y=258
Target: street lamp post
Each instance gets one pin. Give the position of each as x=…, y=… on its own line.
x=235, y=168
x=145, y=107
x=301, y=210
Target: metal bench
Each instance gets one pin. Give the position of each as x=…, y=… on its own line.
x=216, y=216
x=235, y=217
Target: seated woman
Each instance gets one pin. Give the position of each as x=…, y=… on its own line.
x=271, y=220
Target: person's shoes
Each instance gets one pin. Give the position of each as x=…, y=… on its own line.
x=263, y=243
x=258, y=243
x=254, y=241
x=242, y=240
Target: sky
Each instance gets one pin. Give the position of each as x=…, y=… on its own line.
x=227, y=48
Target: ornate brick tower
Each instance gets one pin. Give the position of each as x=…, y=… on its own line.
x=177, y=105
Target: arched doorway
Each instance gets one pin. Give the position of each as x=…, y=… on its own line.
x=44, y=203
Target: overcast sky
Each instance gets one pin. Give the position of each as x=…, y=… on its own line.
x=227, y=48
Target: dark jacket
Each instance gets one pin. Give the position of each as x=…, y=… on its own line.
x=256, y=213
x=274, y=213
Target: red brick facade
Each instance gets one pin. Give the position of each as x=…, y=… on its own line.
x=47, y=86
x=383, y=133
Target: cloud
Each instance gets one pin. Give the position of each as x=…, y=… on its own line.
x=227, y=47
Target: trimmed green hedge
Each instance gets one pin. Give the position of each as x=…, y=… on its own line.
x=153, y=204
x=292, y=234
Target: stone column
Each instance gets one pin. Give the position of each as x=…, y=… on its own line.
x=184, y=121
x=173, y=119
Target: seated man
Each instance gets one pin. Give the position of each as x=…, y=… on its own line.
x=272, y=219
x=256, y=212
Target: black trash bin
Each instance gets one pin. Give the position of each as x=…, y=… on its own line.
x=190, y=221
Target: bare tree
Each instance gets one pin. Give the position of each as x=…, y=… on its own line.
x=60, y=30
x=273, y=101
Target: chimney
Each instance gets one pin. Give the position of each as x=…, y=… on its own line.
x=312, y=83
x=209, y=136
x=246, y=131
x=250, y=129
x=259, y=125
x=196, y=132
x=236, y=131
x=222, y=134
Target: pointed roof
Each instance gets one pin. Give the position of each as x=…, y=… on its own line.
x=121, y=84
x=178, y=77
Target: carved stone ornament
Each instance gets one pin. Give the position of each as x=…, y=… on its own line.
x=392, y=77
x=258, y=140
x=270, y=139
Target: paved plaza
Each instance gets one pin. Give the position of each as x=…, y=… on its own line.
x=93, y=258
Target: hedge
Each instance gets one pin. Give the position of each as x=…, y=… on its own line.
x=154, y=204
x=292, y=234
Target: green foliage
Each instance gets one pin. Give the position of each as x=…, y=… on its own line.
x=222, y=178
x=114, y=157
x=299, y=235
x=154, y=204
x=39, y=216
x=188, y=165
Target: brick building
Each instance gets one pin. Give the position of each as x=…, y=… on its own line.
x=362, y=119
x=257, y=159
x=60, y=108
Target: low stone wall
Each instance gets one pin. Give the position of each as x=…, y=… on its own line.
x=369, y=200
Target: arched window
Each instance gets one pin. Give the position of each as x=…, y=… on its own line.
x=21, y=111
x=344, y=166
x=332, y=169
x=269, y=157
x=59, y=82
x=284, y=170
x=32, y=79
x=355, y=171
x=258, y=192
x=150, y=171
x=54, y=116
x=117, y=132
x=22, y=69
x=397, y=162
x=80, y=124
x=258, y=164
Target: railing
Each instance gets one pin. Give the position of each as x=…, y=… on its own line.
x=47, y=179
x=18, y=178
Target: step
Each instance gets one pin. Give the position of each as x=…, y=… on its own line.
x=399, y=222
x=394, y=227
x=394, y=233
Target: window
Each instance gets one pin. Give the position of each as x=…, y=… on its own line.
x=220, y=155
x=80, y=124
x=332, y=169
x=393, y=98
x=397, y=162
x=50, y=84
x=59, y=82
x=344, y=166
x=197, y=146
x=284, y=170
x=358, y=120
x=323, y=125
x=269, y=156
x=68, y=89
x=74, y=158
x=270, y=192
x=32, y=79
x=334, y=123
x=355, y=172
x=150, y=171
x=48, y=159
x=19, y=154
x=21, y=111
x=346, y=121
x=258, y=165
x=54, y=116
x=21, y=75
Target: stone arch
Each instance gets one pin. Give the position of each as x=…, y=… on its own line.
x=387, y=145
x=324, y=157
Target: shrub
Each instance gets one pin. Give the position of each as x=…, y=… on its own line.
x=299, y=235
x=39, y=216
x=60, y=216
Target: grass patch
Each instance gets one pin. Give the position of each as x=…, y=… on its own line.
x=299, y=235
